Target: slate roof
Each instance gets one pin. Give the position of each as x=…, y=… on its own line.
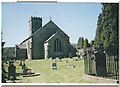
x=42, y=28
x=23, y=46
x=51, y=37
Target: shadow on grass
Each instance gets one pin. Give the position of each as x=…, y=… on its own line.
x=18, y=79
x=31, y=75
x=18, y=74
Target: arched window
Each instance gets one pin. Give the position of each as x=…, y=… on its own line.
x=57, y=45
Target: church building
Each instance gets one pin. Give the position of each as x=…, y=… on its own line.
x=47, y=41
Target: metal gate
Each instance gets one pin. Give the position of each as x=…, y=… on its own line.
x=98, y=64
x=112, y=63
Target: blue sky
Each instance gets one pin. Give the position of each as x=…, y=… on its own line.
x=75, y=19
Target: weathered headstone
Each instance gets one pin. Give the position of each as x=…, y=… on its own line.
x=70, y=66
x=23, y=66
x=78, y=55
x=54, y=66
x=51, y=58
x=70, y=55
x=26, y=71
x=20, y=63
x=55, y=60
x=11, y=72
x=60, y=59
x=66, y=61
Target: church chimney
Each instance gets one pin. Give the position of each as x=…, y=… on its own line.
x=34, y=23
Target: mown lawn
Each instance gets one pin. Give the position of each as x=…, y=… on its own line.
x=62, y=75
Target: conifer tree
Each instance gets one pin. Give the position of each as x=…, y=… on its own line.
x=92, y=43
x=80, y=43
x=107, y=29
x=86, y=43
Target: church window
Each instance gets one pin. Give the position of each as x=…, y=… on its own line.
x=57, y=45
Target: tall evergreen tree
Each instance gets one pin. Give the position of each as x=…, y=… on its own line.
x=85, y=43
x=80, y=44
x=98, y=43
x=91, y=42
x=110, y=28
x=107, y=29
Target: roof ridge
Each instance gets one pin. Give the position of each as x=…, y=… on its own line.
x=51, y=36
x=34, y=33
x=40, y=29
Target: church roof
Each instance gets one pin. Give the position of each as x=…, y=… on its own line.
x=21, y=46
x=42, y=28
x=51, y=37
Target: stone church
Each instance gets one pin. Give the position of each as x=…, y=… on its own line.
x=47, y=41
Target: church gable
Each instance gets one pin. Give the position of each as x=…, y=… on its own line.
x=52, y=36
x=56, y=46
x=51, y=24
x=48, y=30
x=57, y=35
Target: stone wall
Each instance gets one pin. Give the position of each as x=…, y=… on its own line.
x=64, y=46
x=41, y=36
x=21, y=53
x=21, y=50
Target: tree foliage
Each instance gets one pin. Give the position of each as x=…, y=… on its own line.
x=86, y=44
x=91, y=42
x=4, y=76
x=9, y=52
x=107, y=29
x=80, y=43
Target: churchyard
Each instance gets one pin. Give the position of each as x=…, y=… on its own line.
x=67, y=71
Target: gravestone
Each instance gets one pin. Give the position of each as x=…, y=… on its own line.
x=20, y=63
x=60, y=59
x=66, y=61
x=54, y=66
x=78, y=55
x=27, y=71
x=51, y=58
x=23, y=66
x=100, y=60
x=70, y=55
x=11, y=72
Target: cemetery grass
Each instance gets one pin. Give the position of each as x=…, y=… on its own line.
x=63, y=74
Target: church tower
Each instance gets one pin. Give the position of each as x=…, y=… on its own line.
x=34, y=23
